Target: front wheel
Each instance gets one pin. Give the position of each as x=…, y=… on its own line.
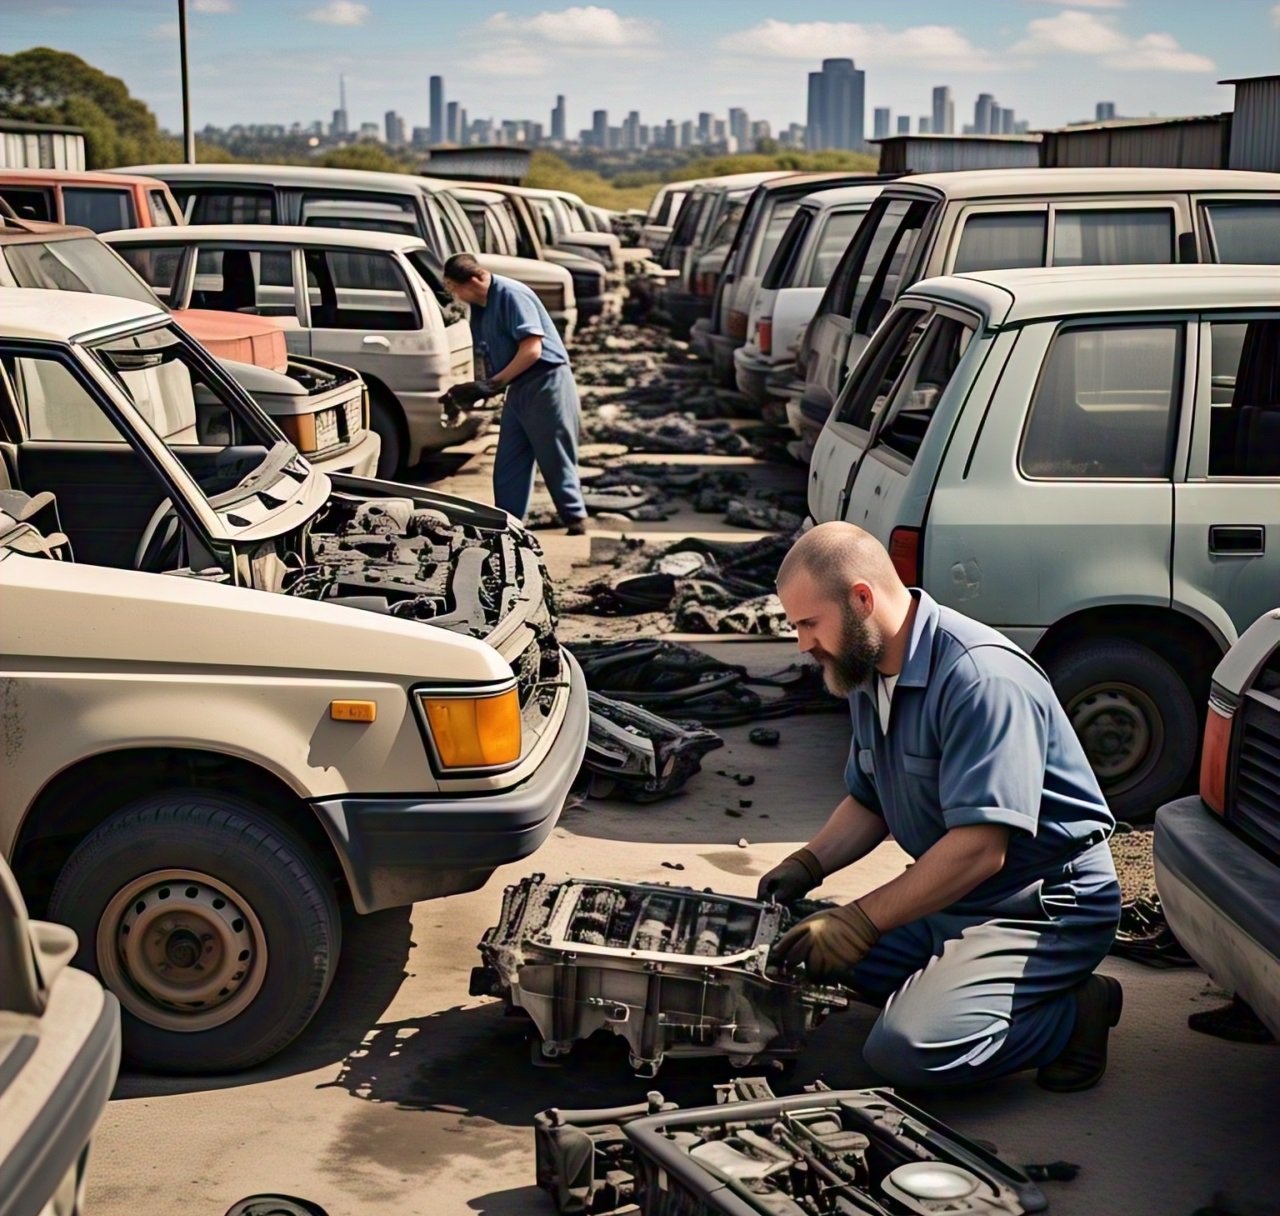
x=384, y=419
x=213, y=926
x=1135, y=717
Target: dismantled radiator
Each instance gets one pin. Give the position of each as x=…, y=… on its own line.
x=675, y=972
x=821, y=1153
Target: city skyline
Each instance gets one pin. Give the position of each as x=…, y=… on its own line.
x=515, y=60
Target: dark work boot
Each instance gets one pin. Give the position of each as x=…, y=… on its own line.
x=577, y=527
x=1099, y=1001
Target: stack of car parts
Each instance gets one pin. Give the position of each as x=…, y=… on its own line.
x=673, y=971
x=822, y=1153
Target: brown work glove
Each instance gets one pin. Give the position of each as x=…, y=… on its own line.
x=791, y=879
x=827, y=943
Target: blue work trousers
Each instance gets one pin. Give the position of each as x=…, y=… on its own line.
x=540, y=422
x=969, y=996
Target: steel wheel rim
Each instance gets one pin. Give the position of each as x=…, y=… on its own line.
x=181, y=950
x=1121, y=730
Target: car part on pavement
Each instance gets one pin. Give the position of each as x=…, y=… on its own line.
x=675, y=972
x=760, y=518
x=635, y=754
x=820, y=1153
x=275, y=1205
x=1144, y=935
x=764, y=737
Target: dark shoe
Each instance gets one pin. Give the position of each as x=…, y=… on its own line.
x=577, y=528
x=1099, y=1001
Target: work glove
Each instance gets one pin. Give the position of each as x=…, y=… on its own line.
x=828, y=943
x=462, y=396
x=791, y=879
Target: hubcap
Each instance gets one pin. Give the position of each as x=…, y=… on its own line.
x=182, y=951
x=1122, y=732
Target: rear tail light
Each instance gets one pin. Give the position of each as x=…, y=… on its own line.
x=704, y=283
x=904, y=552
x=737, y=324
x=764, y=335
x=1214, y=756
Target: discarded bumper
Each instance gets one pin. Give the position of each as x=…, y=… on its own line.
x=396, y=851
x=675, y=972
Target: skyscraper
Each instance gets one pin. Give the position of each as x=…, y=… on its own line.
x=600, y=128
x=704, y=127
x=557, y=120
x=837, y=101
x=452, y=132
x=340, y=125
x=904, y=124
x=924, y=124
x=882, y=119
x=1007, y=120
x=1104, y=111
x=687, y=132
x=983, y=111
x=944, y=112
x=437, y=109
x=631, y=131
x=394, y=129
x=740, y=127
x=464, y=132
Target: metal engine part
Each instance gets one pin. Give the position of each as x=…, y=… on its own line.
x=639, y=755
x=821, y=1153
x=675, y=972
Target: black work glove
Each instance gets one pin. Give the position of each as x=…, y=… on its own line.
x=791, y=879
x=462, y=396
x=827, y=943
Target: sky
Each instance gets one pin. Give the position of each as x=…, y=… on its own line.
x=278, y=61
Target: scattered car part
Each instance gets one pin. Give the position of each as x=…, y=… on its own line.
x=1144, y=935
x=275, y=1205
x=762, y=736
x=675, y=972
x=635, y=754
x=820, y=1153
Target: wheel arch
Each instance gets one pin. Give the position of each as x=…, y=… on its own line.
x=379, y=390
x=86, y=793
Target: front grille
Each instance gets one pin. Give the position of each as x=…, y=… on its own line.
x=355, y=417
x=1254, y=807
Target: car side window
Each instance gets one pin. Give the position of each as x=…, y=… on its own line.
x=889, y=258
x=156, y=265
x=781, y=268
x=238, y=279
x=1246, y=233
x=841, y=227
x=1001, y=241
x=881, y=365
x=1106, y=405
x=1244, y=411
x=933, y=362
x=158, y=206
x=100, y=210
x=53, y=403
x=233, y=205
x=358, y=289
x=1139, y=236
x=29, y=203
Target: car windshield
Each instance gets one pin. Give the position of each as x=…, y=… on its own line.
x=80, y=264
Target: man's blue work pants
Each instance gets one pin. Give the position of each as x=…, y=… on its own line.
x=968, y=996
x=540, y=422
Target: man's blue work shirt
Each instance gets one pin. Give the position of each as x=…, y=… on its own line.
x=976, y=735
x=512, y=313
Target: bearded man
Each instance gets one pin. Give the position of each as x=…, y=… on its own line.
x=982, y=953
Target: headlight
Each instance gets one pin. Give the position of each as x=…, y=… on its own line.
x=473, y=731
x=311, y=432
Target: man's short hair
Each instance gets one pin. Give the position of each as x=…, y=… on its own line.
x=462, y=268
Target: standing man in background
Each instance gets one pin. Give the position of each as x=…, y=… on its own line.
x=522, y=353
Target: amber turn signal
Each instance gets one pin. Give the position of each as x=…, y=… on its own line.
x=475, y=732
x=353, y=711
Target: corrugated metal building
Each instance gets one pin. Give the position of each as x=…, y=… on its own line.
x=946, y=153
x=1201, y=142
x=38, y=145
x=1255, y=129
x=498, y=163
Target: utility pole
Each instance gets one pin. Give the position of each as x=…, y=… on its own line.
x=188, y=135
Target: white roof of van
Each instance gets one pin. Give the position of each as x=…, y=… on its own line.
x=985, y=183
x=57, y=316
x=1010, y=296
x=841, y=196
x=264, y=234
x=291, y=175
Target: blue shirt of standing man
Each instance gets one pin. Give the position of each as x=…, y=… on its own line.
x=541, y=417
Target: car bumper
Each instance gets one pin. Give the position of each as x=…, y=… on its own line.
x=426, y=431
x=751, y=373
x=1222, y=900
x=684, y=310
x=396, y=851
x=360, y=459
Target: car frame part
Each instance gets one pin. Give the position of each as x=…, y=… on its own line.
x=820, y=1153
x=674, y=971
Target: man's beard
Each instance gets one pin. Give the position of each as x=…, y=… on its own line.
x=860, y=653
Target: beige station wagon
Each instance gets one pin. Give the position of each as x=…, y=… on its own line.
x=250, y=693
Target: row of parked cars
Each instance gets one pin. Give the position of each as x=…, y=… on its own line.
x=248, y=687
x=1054, y=395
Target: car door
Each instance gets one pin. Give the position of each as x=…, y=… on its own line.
x=455, y=316
x=362, y=313
x=1226, y=544
x=256, y=279
x=848, y=429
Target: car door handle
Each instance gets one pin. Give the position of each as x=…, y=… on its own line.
x=1238, y=540
x=376, y=340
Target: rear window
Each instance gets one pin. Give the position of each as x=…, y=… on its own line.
x=1002, y=241
x=773, y=231
x=1245, y=233
x=1106, y=404
x=156, y=265
x=370, y=213
x=888, y=354
x=29, y=204
x=781, y=267
x=1244, y=415
x=358, y=289
x=1112, y=238
x=910, y=410
x=238, y=205
x=100, y=210
x=841, y=227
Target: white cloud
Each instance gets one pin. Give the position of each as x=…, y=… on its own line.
x=1083, y=3
x=935, y=46
x=1072, y=32
x=580, y=26
x=340, y=12
x=1275, y=15
x=213, y=6
x=164, y=31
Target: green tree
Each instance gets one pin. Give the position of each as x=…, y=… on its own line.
x=365, y=156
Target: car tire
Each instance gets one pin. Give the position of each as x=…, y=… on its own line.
x=213, y=925
x=384, y=419
x=1136, y=718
